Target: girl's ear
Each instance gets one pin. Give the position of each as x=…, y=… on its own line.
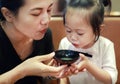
x=8, y=15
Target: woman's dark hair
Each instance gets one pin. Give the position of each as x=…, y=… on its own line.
x=95, y=10
x=12, y=5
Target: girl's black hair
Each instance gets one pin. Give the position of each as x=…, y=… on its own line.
x=106, y=2
x=12, y=5
x=96, y=7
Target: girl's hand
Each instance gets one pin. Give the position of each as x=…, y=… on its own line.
x=75, y=68
x=81, y=65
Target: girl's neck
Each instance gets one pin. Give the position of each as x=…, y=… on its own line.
x=93, y=41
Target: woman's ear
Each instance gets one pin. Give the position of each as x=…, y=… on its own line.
x=8, y=15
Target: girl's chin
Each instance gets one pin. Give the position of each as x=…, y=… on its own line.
x=77, y=46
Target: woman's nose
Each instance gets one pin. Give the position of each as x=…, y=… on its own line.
x=45, y=19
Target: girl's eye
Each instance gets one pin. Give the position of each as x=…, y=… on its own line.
x=69, y=31
x=80, y=34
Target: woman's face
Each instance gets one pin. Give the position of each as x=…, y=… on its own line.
x=79, y=31
x=33, y=18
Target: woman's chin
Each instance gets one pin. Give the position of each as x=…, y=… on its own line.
x=39, y=37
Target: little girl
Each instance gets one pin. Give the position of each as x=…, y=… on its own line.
x=82, y=21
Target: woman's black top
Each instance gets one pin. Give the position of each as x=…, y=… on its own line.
x=10, y=59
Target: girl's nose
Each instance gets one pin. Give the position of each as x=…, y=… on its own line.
x=73, y=37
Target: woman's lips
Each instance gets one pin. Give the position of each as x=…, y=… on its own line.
x=43, y=31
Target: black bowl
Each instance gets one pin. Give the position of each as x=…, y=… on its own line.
x=68, y=56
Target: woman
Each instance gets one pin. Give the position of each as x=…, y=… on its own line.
x=24, y=34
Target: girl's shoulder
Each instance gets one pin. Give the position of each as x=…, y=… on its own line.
x=65, y=40
x=64, y=43
x=104, y=40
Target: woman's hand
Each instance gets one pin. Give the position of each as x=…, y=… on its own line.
x=31, y=67
x=35, y=66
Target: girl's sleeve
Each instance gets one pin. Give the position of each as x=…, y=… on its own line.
x=63, y=44
x=109, y=62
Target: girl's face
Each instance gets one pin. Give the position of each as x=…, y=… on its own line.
x=79, y=31
x=33, y=18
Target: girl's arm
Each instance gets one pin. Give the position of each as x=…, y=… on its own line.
x=97, y=72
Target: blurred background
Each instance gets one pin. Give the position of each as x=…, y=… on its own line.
x=60, y=5
x=116, y=5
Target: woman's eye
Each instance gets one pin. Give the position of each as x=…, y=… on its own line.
x=49, y=10
x=35, y=14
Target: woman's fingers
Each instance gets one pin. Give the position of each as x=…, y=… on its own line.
x=51, y=63
x=45, y=57
x=57, y=71
x=53, y=69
